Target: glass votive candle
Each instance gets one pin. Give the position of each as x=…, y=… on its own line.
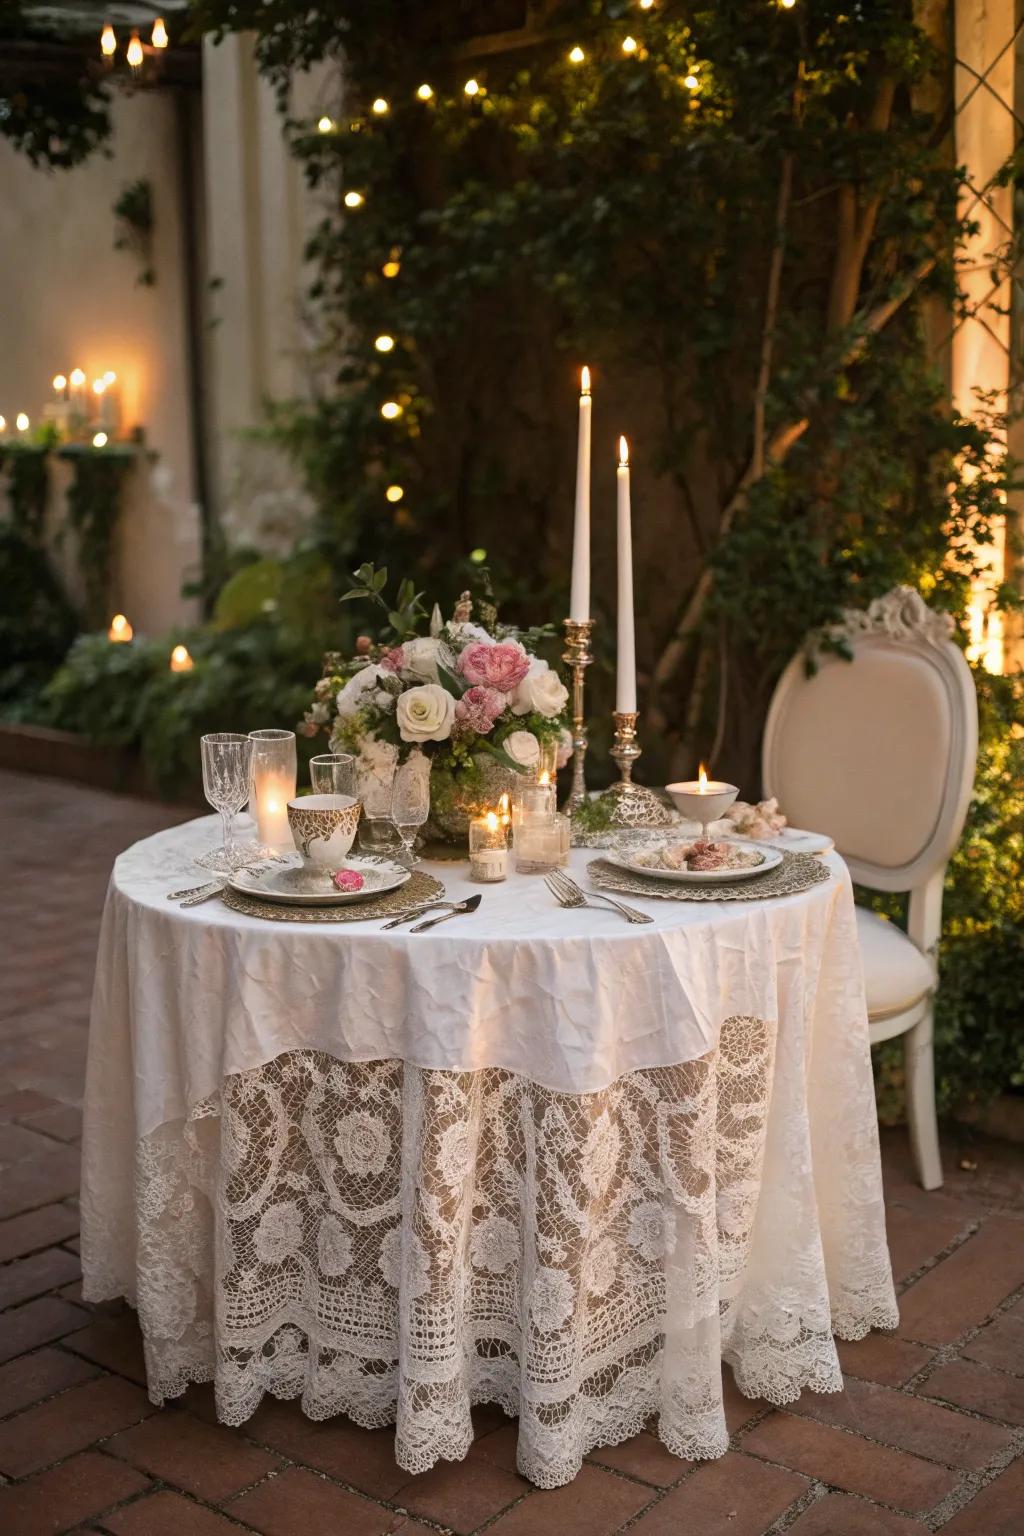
x=273, y=784
x=547, y=763
x=534, y=803
x=488, y=848
x=540, y=845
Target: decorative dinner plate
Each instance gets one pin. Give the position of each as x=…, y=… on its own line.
x=297, y=886
x=625, y=857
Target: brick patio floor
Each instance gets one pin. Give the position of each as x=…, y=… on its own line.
x=928, y=1435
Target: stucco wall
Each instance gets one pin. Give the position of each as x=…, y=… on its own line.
x=68, y=299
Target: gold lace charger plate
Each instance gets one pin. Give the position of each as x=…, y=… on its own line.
x=797, y=872
x=418, y=889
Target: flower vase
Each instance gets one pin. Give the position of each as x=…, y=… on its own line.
x=455, y=798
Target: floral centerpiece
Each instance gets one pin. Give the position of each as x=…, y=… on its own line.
x=472, y=699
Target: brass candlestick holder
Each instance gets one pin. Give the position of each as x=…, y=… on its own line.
x=577, y=658
x=629, y=804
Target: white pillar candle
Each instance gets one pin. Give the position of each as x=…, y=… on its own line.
x=579, y=600
x=271, y=795
x=625, y=676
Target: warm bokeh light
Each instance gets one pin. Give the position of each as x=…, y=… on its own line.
x=135, y=53
x=390, y=410
x=3, y=423
x=108, y=41
x=391, y=268
x=380, y=106
x=394, y=492
x=472, y=87
x=60, y=382
x=384, y=343
x=491, y=821
x=21, y=421
x=424, y=92
x=120, y=630
x=110, y=377
x=159, y=37
x=99, y=439
x=99, y=386
x=576, y=55
x=78, y=377
x=181, y=661
x=691, y=82
x=629, y=45
x=325, y=125
x=354, y=199
x=584, y=380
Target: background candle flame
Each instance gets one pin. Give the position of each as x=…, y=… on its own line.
x=703, y=778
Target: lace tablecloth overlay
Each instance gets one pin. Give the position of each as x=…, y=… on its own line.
x=398, y=1239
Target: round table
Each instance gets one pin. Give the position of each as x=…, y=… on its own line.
x=535, y=1157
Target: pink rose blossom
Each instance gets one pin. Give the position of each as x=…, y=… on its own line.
x=393, y=660
x=478, y=708
x=348, y=880
x=494, y=666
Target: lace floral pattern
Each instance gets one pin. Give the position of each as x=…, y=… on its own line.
x=398, y=1244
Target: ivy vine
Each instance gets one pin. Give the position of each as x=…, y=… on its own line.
x=94, y=509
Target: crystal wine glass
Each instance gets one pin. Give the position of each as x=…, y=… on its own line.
x=227, y=764
x=333, y=773
x=410, y=800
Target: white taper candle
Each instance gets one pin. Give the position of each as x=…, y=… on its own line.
x=625, y=676
x=579, y=599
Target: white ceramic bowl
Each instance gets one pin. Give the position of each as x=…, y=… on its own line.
x=704, y=808
x=324, y=828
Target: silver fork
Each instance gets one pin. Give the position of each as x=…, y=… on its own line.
x=568, y=894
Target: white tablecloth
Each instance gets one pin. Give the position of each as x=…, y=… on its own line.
x=534, y=1156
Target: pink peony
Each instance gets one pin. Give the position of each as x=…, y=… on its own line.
x=393, y=660
x=348, y=880
x=479, y=707
x=494, y=666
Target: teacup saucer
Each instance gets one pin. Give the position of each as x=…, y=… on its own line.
x=302, y=887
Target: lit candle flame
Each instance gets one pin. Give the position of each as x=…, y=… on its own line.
x=181, y=661
x=60, y=382
x=503, y=805
x=584, y=380
x=545, y=777
x=134, y=53
x=492, y=821
x=98, y=386
x=108, y=41
x=623, y=453
x=78, y=377
x=159, y=38
x=120, y=629
x=702, y=777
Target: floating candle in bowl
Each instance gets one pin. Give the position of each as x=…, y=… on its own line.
x=703, y=799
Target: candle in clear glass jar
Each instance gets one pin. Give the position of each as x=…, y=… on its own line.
x=274, y=779
x=488, y=848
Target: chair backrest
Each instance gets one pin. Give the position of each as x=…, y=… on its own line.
x=879, y=752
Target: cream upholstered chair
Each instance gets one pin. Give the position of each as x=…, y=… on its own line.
x=879, y=752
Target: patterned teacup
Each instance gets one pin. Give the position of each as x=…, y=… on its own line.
x=324, y=827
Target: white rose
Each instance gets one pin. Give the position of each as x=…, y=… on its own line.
x=353, y=696
x=541, y=692
x=469, y=634
x=426, y=713
x=523, y=747
x=420, y=658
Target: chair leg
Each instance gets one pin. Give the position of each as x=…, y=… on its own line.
x=919, y=1071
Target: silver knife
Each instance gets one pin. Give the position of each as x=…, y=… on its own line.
x=469, y=905
x=414, y=912
x=203, y=895
x=193, y=890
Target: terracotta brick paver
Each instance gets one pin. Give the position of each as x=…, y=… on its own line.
x=928, y=1436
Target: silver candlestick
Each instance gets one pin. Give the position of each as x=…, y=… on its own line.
x=629, y=804
x=577, y=658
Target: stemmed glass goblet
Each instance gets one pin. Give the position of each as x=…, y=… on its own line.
x=410, y=800
x=227, y=765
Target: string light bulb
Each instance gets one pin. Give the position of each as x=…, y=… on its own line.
x=159, y=37
x=394, y=493
x=391, y=410
x=99, y=386
x=691, y=82
x=110, y=377
x=108, y=41
x=325, y=125
x=645, y=5
x=384, y=343
x=120, y=630
x=392, y=266
x=181, y=661
x=134, y=54
x=60, y=383
x=629, y=45
x=78, y=377
x=380, y=106
x=424, y=91
x=354, y=199
x=21, y=421
x=99, y=439
x=472, y=88
x=576, y=55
